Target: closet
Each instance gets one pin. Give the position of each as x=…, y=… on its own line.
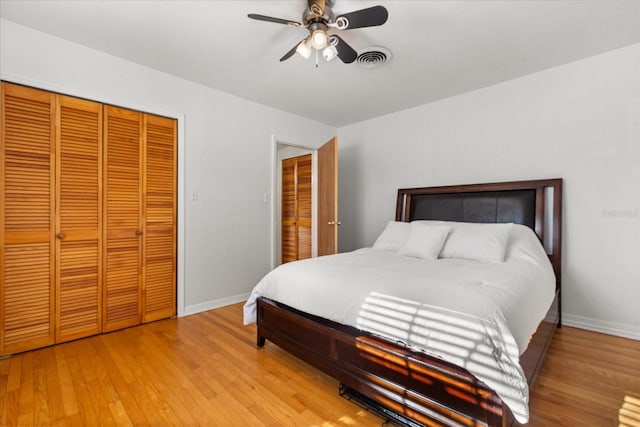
x=296, y=208
x=88, y=224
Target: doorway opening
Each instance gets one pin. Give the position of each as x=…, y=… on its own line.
x=324, y=196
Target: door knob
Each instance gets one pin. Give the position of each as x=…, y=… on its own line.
x=139, y=232
x=60, y=236
x=334, y=223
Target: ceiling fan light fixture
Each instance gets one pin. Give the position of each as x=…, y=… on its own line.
x=304, y=49
x=329, y=53
x=319, y=39
x=318, y=18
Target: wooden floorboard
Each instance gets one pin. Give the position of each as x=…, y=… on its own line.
x=205, y=370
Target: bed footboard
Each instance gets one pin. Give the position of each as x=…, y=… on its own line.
x=411, y=383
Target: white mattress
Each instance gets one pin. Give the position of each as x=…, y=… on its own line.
x=479, y=316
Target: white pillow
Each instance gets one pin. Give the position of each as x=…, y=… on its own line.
x=478, y=242
x=393, y=236
x=425, y=241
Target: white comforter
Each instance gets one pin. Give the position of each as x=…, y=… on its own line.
x=479, y=316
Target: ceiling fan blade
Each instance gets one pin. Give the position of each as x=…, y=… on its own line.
x=345, y=52
x=275, y=20
x=292, y=51
x=370, y=17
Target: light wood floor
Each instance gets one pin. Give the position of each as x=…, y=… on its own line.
x=205, y=370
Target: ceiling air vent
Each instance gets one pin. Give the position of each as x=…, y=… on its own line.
x=373, y=57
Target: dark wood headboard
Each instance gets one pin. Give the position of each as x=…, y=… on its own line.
x=536, y=204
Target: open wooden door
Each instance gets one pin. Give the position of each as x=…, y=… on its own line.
x=328, y=198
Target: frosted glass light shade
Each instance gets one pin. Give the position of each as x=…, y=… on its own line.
x=329, y=53
x=304, y=50
x=319, y=39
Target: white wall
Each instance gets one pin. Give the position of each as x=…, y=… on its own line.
x=227, y=149
x=580, y=121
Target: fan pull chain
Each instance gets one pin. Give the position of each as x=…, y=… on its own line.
x=316, y=58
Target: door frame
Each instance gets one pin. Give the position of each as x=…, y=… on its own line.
x=276, y=199
x=106, y=98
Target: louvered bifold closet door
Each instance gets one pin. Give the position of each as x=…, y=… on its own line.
x=296, y=208
x=159, y=266
x=288, y=223
x=122, y=218
x=79, y=218
x=304, y=207
x=27, y=172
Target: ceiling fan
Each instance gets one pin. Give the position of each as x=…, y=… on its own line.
x=318, y=18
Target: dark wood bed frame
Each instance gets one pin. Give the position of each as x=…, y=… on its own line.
x=425, y=389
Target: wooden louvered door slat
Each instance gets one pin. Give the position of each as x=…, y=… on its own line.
x=79, y=218
x=27, y=175
x=123, y=157
x=159, y=266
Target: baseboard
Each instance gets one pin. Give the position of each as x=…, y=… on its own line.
x=611, y=328
x=210, y=305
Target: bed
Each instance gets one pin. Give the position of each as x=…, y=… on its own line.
x=411, y=386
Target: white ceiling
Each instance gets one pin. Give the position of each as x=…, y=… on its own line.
x=440, y=48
